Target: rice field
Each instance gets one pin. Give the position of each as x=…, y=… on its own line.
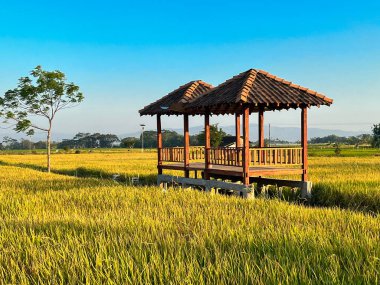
x=78, y=226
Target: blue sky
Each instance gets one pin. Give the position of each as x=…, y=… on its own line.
x=125, y=54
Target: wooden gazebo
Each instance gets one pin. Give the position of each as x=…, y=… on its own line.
x=253, y=91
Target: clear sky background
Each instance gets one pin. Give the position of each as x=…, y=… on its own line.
x=126, y=54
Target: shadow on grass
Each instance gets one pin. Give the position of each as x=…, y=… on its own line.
x=82, y=172
x=328, y=195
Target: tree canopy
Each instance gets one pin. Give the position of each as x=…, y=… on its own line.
x=43, y=95
x=216, y=136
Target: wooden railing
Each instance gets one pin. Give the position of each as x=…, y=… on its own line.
x=232, y=156
x=197, y=153
x=172, y=154
x=177, y=154
x=275, y=156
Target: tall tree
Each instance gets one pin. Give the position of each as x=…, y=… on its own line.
x=376, y=135
x=107, y=140
x=43, y=95
x=129, y=142
x=216, y=136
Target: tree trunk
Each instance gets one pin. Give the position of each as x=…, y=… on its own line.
x=48, y=151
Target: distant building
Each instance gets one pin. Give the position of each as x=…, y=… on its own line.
x=230, y=141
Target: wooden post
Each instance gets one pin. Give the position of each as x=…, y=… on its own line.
x=246, y=155
x=261, y=128
x=305, y=162
x=207, y=145
x=159, y=145
x=237, y=129
x=186, y=158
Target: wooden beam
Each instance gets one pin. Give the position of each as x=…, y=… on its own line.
x=305, y=163
x=207, y=144
x=261, y=128
x=237, y=129
x=173, y=166
x=305, y=186
x=266, y=171
x=186, y=144
x=241, y=190
x=246, y=156
x=159, y=145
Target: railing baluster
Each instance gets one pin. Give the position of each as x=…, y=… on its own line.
x=274, y=156
x=259, y=157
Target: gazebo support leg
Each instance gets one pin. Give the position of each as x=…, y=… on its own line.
x=305, y=163
x=237, y=130
x=261, y=128
x=159, y=145
x=207, y=146
x=246, y=156
x=186, y=137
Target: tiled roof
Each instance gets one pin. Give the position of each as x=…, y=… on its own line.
x=258, y=89
x=182, y=95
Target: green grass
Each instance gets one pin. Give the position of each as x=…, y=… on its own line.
x=345, y=152
x=346, y=182
x=61, y=229
x=128, y=235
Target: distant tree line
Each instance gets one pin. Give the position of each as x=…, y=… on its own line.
x=352, y=140
x=172, y=139
x=97, y=140
x=87, y=140
x=13, y=144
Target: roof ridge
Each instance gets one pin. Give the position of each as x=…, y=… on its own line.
x=187, y=95
x=204, y=83
x=247, y=86
x=291, y=84
x=220, y=85
x=231, y=79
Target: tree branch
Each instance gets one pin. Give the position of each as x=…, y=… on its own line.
x=31, y=125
